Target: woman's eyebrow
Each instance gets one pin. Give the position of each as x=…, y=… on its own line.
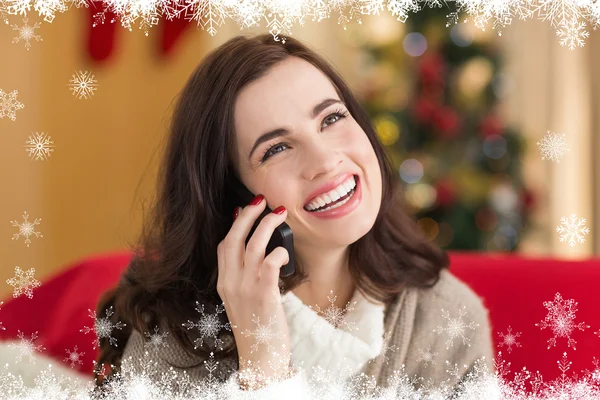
x=265, y=137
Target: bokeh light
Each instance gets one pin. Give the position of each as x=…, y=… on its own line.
x=414, y=44
x=494, y=146
x=429, y=227
x=461, y=35
x=387, y=129
x=421, y=196
x=411, y=170
x=503, y=198
x=502, y=84
x=474, y=76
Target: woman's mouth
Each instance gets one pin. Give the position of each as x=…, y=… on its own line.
x=346, y=201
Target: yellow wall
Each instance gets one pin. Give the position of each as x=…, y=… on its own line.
x=85, y=193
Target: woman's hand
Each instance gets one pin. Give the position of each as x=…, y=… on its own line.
x=248, y=285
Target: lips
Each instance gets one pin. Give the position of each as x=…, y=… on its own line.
x=328, y=186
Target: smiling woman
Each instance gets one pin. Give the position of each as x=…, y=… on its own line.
x=280, y=119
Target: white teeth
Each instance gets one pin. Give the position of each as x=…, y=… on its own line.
x=333, y=195
x=348, y=185
x=337, y=205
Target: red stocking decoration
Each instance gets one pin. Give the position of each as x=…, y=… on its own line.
x=101, y=38
x=171, y=33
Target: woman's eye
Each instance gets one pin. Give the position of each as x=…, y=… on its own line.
x=268, y=153
x=339, y=114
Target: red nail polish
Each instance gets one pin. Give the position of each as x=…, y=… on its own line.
x=257, y=200
x=236, y=212
x=279, y=210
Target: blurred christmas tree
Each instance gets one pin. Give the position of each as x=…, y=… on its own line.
x=433, y=93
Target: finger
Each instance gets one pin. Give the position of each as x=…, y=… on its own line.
x=272, y=264
x=235, y=241
x=257, y=245
x=221, y=277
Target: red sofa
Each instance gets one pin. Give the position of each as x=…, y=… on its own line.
x=513, y=288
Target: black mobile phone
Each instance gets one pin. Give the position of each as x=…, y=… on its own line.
x=282, y=236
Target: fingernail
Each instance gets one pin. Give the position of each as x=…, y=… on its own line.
x=236, y=212
x=257, y=200
x=279, y=210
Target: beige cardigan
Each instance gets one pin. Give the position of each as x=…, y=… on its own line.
x=417, y=320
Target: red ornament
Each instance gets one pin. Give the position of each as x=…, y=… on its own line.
x=491, y=126
x=528, y=199
x=424, y=109
x=445, y=193
x=431, y=69
x=447, y=122
x=434, y=92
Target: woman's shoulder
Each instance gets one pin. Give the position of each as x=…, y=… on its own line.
x=452, y=319
x=451, y=294
x=159, y=352
x=447, y=329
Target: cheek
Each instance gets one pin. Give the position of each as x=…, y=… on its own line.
x=282, y=190
x=361, y=146
x=366, y=157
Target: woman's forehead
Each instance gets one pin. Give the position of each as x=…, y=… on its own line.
x=290, y=85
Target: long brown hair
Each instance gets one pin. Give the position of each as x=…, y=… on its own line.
x=174, y=264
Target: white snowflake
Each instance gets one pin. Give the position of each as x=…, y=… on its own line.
x=26, y=228
x=23, y=283
x=26, y=347
x=572, y=229
x=4, y=11
x=103, y=327
x=26, y=33
x=9, y=104
x=40, y=147
x=252, y=373
x=572, y=33
x=335, y=315
x=263, y=334
x=501, y=367
x=510, y=339
x=73, y=357
x=386, y=347
x=456, y=327
x=208, y=325
x=596, y=375
x=553, y=146
x=1, y=326
x=83, y=85
x=332, y=382
x=210, y=382
x=156, y=339
x=560, y=319
x=563, y=384
x=426, y=356
x=454, y=370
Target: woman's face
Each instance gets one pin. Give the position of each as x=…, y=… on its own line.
x=318, y=149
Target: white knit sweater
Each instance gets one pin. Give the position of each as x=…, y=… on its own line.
x=316, y=342
x=341, y=351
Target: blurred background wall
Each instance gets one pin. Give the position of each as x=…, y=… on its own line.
x=88, y=193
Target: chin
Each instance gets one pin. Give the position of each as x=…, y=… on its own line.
x=352, y=232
